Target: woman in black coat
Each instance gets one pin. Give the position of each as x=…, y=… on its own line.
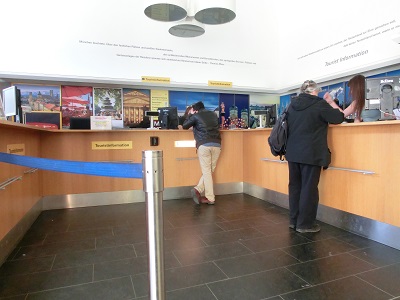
x=307, y=152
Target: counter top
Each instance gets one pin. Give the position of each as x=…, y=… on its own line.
x=10, y=124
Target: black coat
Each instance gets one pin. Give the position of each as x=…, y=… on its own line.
x=308, y=120
x=205, y=127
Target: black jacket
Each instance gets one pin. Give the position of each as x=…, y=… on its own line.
x=205, y=127
x=308, y=120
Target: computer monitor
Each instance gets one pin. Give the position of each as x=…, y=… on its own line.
x=267, y=114
x=168, y=117
x=12, y=102
x=79, y=123
x=271, y=115
x=151, y=114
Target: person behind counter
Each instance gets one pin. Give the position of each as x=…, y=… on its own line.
x=307, y=152
x=184, y=117
x=208, y=143
x=357, y=93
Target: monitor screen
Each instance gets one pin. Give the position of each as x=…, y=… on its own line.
x=271, y=115
x=11, y=101
x=151, y=113
x=265, y=116
x=79, y=123
x=2, y=115
x=168, y=117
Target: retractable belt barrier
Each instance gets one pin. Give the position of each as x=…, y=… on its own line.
x=109, y=169
x=152, y=173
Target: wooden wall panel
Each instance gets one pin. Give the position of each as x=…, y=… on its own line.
x=365, y=146
x=20, y=196
x=369, y=147
x=181, y=166
x=269, y=174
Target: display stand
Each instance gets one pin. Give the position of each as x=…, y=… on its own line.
x=260, y=113
x=151, y=114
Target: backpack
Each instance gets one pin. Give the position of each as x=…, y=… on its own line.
x=278, y=137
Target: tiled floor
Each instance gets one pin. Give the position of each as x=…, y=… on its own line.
x=240, y=248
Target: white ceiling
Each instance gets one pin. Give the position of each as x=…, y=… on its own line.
x=271, y=46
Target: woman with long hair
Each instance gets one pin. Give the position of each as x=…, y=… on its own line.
x=357, y=93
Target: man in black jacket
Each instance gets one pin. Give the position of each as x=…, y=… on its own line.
x=307, y=152
x=208, y=143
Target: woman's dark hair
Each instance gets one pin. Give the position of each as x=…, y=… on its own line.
x=357, y=92
x=187, y=111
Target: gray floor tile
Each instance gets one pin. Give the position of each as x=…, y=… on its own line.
x=113, y=289
x=20, y=284
x=180, y=278
x=54, y=248
x=135, y=236
x=21, y=297
x=318, y=249
x=210, y=253
x=241, y=248
x=131, y=266
x=26, y=266
x=275, y=241
x=93, y=256
x=257, y=286
x=244, y=223
x=385, y=278
x=78, y=235
x=379, y=255
x=252, y=263
x=330, y=268
x=120, y=268
x=347, y=288
x=231, y=236
x=183, y=232
x=357, y=241
x=193, y=293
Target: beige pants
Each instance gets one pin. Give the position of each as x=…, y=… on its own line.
x=208, y=157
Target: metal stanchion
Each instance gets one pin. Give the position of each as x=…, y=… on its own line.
x=153, y=186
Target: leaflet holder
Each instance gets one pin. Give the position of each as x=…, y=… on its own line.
x=260, y=114
x=151, y=114
x=383, y=94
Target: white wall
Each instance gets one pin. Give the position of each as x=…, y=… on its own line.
x=270, y=47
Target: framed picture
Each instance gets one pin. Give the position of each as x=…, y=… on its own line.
x=108, y=102
x=76, y=101
x=337, y=91
x=40, y=97
x=47, y=120
x=135, y=103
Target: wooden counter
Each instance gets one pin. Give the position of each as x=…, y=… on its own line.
x=20, y=196
x=181, y=166
x=245, y=158
x=357, y=147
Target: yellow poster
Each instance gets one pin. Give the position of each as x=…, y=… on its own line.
x=156, y=79
x=16, y=149
x=114, y=145
x=159, y=98
x=226, y=84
